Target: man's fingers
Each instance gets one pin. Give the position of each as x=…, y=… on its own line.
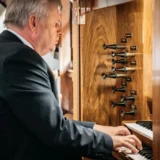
x=123, y=131
x=131, y=147
x=131, y=141
x=137, y=141
x=127, y=132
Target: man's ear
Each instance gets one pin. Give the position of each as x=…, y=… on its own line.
x=33, y=24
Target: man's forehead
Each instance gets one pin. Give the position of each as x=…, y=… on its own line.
x=55, y=9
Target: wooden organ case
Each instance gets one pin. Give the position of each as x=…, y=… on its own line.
x=116, y=70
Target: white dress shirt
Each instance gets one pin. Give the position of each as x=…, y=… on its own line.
x=21, y=38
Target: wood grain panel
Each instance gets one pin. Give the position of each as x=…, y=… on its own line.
x=76, y=66
x=129, y=20
x=108, y=26
x=100, y=28
x=147, y=58
x=156, y=81
x=83, y=3
x=136, y=18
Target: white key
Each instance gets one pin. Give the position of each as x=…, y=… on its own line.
x=140, y=129
x=124, y=149
x=137, y=157
x=129, y=153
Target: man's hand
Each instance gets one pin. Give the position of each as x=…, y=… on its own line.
x=112, y=131
x=131, y=142
x=121, y=137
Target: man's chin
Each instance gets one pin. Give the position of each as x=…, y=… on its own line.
x=46, y=52
x=53, y=49
x=49, y=50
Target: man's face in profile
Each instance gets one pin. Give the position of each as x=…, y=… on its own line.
x=49, y=30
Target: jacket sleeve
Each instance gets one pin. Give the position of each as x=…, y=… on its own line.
x=85, y=124
x=29, y=95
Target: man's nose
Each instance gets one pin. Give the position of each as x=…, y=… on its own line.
x=60, y=31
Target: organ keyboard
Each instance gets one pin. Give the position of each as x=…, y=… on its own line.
x=144, y=154
x=141, y=127
x=143, y=130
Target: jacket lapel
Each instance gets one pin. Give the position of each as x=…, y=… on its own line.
x=53, y=83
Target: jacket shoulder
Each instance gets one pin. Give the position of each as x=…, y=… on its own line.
x=18, y=51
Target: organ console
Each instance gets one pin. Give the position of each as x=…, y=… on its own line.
x=133, y=21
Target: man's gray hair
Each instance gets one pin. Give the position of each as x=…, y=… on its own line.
x=18, y=11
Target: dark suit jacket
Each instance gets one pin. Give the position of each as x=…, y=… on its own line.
x=32, y=126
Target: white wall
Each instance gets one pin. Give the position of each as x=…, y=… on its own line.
x=51, y=61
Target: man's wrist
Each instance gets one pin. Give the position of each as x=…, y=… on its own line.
x=98, y=127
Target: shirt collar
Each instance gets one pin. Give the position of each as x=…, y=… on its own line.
x=21, y=38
